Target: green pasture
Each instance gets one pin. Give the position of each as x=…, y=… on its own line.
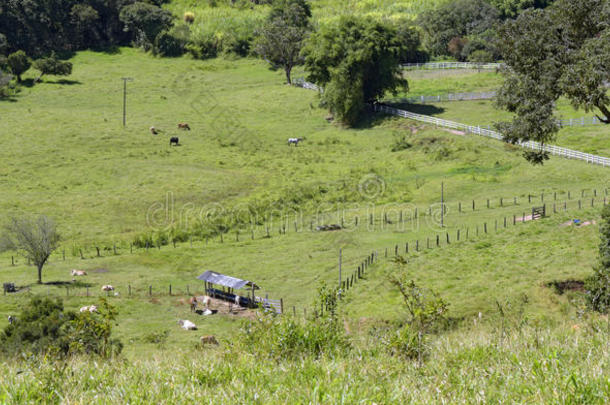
x=67, y=155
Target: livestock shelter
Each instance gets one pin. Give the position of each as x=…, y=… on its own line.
x=229, y=284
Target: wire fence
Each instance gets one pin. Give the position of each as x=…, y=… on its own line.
x=478, y=130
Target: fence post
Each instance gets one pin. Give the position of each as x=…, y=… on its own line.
x=485, y=227
x=129, y=287
x=282, y=306
x=150, y=290
x=170, y=290
x=12, y=260
x=473, y=205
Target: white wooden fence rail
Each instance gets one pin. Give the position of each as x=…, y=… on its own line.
x=554, y=150
x=450, y=65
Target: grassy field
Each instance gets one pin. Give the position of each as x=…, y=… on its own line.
x=566, y=362
x=66, y=155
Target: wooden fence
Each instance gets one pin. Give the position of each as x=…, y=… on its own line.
x=477, y=130
x=451, y=65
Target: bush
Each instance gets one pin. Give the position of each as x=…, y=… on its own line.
x=44, y=327
x=145, y=21
x=204, y=47
x=18, y=63
x=598, y=286
x=52, y=66
x=280, y=337
x=168, y=44
x=189, y=17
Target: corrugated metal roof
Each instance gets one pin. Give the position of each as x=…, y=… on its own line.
x=227, y=281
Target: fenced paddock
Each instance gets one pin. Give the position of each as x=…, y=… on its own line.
x=552, y=149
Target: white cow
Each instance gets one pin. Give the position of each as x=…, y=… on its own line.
x=89, y=308
x=107, y=287
x=79, y=273
x=187, y=325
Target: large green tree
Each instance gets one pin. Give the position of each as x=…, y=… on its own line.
x=281, y=38
x=356, y=61
x=563, y=50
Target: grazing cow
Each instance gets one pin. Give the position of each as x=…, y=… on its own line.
x=11, y=319
x=174, y=140
x=187, y=325
x=193, y=303
x=294, y=141
x=184, y=125
x=89, y=308
x=107, y=287
x=209, y=340
x=154, y=131
x=79, y=273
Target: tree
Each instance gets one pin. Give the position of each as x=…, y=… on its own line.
x=145, y=21
x=356, y=61
x=511, y=8
x=281, y=38
x=563, y=50
x=35, y=239
x=52, y=66
x=18, y=63
x=456, y=19
x=598, y=286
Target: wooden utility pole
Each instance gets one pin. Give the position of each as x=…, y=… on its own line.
x=125, y=80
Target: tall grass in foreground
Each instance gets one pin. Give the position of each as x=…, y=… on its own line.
x=565, y=363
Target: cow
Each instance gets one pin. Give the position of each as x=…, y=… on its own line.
x=154, y=131
x=11, y=319
x=184, y=126
x=206, y=301
x=187, y=325
x=79, y=273
x=107, y=287
x=193, y=303
x=209, y=340
x=294, y=141
x=89, y=308
x=174, y=140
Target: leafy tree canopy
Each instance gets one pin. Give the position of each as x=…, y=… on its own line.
x=563, y=50
x=356, y=60
x=280, y=40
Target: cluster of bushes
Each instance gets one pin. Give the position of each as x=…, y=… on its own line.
x=44, y=327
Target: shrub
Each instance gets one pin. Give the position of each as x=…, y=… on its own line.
x=168, y=44
x=280, y=337
x=52, y=66
x=18, y=63
x=189, y=17
x=598, y=285
x=203, y=47
x=400, y=143
x=145, y=21
x=44, y=327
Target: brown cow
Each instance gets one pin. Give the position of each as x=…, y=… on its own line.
x=193, y=303
x=184, y=125
x=209, y=340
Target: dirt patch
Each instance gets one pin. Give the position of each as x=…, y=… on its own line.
x=454, y=131
x=577, y=222
x=155, y=301
x=562, y=287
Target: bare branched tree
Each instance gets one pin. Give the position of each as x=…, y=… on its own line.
x=34, y=238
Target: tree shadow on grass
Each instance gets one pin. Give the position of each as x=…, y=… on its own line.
x=370, y=119
x=424, y=109
x=66, y=82
x=67, y=284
